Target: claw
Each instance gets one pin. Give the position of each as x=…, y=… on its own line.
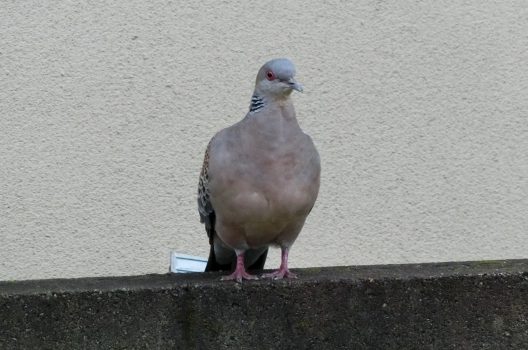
x=283, y=271
x=239, y=276
x=240, y=273
x=280, y=274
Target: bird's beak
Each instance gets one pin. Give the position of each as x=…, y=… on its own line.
x=295, y=85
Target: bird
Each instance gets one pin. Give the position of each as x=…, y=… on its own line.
x=259, y=180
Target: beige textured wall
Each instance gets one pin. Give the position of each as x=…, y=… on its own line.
x=419, y=110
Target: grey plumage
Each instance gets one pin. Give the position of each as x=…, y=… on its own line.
x=260, y=178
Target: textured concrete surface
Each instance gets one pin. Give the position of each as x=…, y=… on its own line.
x=468, y=305
x=418, y=109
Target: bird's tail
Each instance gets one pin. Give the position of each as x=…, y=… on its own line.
x=214, y=265
x=257, y=262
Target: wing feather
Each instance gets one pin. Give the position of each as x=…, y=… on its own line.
x=205, y=208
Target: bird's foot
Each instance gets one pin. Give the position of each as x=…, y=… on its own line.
x=280, y=274
x=238, y=276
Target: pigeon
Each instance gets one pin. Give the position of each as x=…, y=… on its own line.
x=259, y=180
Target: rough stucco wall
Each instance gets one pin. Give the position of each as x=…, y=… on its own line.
x=419, y=110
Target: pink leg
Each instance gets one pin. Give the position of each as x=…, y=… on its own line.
x=240, y=271
x=283, y=271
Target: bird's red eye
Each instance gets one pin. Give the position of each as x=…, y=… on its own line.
x=270, y=75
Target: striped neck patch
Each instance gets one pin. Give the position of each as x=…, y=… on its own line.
x=257, y=103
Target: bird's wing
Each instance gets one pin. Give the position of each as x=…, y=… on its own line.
x=221, y=258
x=205, y=208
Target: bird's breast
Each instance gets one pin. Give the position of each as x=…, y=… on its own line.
x=266, y=199
x=263, y=187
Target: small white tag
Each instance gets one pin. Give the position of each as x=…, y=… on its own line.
x=182, y=263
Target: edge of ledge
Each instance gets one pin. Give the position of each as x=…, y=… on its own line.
x=357, y=273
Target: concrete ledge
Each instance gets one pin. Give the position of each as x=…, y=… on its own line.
x=462, y=305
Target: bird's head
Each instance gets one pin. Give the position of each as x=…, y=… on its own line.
x=276, y=78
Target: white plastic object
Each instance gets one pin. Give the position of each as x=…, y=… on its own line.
x=183, y=263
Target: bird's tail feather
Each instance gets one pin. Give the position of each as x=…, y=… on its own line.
x=214, y=265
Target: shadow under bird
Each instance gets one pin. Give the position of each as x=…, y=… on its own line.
x=259, y=180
